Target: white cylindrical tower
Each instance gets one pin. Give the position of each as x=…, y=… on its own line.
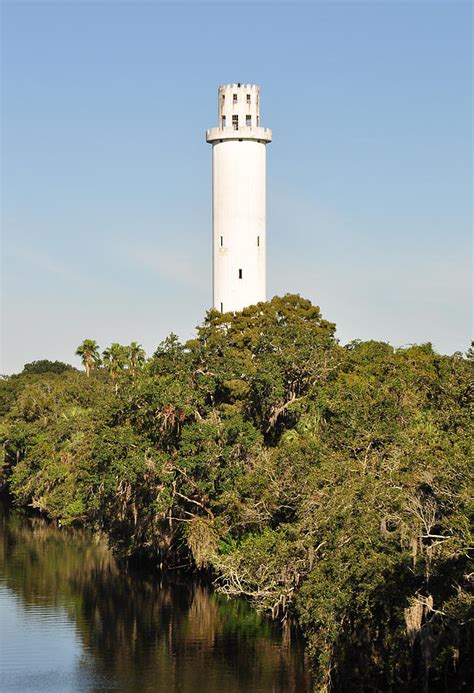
x=238, y=199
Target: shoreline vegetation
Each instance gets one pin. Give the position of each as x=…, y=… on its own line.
x=328, y=484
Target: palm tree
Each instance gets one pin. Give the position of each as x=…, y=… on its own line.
x=136, y=357
x=89, y=353
x=114, y=359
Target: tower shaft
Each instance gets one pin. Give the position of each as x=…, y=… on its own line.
x=239, y=199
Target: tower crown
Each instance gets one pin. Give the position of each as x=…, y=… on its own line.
x=239, y=114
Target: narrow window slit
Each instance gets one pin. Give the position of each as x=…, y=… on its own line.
x=240, y=274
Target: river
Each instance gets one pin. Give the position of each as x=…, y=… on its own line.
x=72, y=619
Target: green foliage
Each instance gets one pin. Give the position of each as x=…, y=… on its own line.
x=45, y=366
x=114, y=359
x=328, y=484
x=135, y=356
x=89, y=353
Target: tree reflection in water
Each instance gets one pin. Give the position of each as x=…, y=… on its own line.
x=139, y=631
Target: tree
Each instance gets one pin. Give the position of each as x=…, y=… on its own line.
x=89, y=353
x=136, y=357
x=115, y=358
x=323, y=482
x=46, y=366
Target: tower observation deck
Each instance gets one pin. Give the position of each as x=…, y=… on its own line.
x=238, y=198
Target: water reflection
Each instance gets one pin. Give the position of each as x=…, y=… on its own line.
x=71, y=620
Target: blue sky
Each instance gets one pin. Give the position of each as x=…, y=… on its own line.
x=106, y=181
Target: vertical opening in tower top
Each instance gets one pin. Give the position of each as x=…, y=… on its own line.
x=235, y=122
x=223, y=121
x=240, y=274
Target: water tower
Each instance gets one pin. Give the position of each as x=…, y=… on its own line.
x=238, y=199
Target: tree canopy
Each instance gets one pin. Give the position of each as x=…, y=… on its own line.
x=328, y=484
x=46, y=366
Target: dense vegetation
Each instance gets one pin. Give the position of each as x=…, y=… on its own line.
x=328, y=484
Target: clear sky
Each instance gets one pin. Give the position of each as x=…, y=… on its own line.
x=107, y=176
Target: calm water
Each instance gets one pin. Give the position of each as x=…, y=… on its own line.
x=71, y=620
